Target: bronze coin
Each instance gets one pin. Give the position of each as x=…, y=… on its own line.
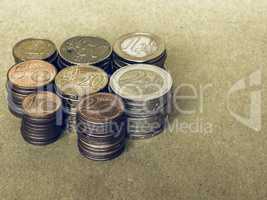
x=31, y=74
x=41, y=104
x=100, y=107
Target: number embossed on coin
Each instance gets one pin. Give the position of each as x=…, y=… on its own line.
x=41, y=104
x=139, y=47
x=32, y=48
x=81, y=80
x=31, y=74
x=85, y=49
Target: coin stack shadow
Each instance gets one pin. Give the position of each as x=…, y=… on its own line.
x=26, y=78
x=74, y=82
x=134, y=48
x=41, y=122
x=146, y=93
x=86, y=50
x=35, y=49
x=101, y=126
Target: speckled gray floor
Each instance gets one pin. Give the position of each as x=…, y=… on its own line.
x=210, y=43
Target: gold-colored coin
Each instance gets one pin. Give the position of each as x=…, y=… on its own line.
x=77, y=81
x=34, y=49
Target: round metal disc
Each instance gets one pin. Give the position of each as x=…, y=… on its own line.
x=100, y=107
x=34, y=49
x=41, y=104
x=139, y=47
x=85, y=50
x=141, y=82
x=77, y=81
x=31, y=74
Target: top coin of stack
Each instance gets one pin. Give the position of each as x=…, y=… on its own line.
x=146, y=91
x=86, y=50
x=135, y=48
x=26, y=78
x=35, y=49
x=74, y=82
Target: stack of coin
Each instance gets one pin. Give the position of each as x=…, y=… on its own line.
x=26, y=78
x=35, y=49
x=72, y=83
x=86, y=50
x=139, y=48
x=101, y=126
x=146, y=91
x=41, y=123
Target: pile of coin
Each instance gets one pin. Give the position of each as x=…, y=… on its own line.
x=41, y=123
x=26, y=78
x=35, y=49
x=86, y=50
x=101, y=126
x=136, y=48
x=74, y=82
x=146, y=91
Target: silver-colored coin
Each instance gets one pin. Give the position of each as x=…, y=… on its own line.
x=141, y=82
x=139, y=47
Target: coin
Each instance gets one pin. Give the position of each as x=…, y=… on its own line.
x=41, y=104
x=31, y=74
x=77, y=81
x=85, y=49
x=141, y=82
x=34, y=49
x=139, y=47
x=100, y=107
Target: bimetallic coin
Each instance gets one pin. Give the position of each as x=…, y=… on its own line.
x=41, y=104
x=140, y=82
x=77, y=81
x=31, y=74
x=85, y=50
x=34, y=49
x=139, y=47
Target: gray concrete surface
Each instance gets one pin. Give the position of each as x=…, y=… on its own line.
x=210, y=43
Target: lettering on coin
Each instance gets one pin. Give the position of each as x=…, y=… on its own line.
x=139, y=46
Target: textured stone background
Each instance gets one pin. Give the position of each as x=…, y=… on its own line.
x=209, y=42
